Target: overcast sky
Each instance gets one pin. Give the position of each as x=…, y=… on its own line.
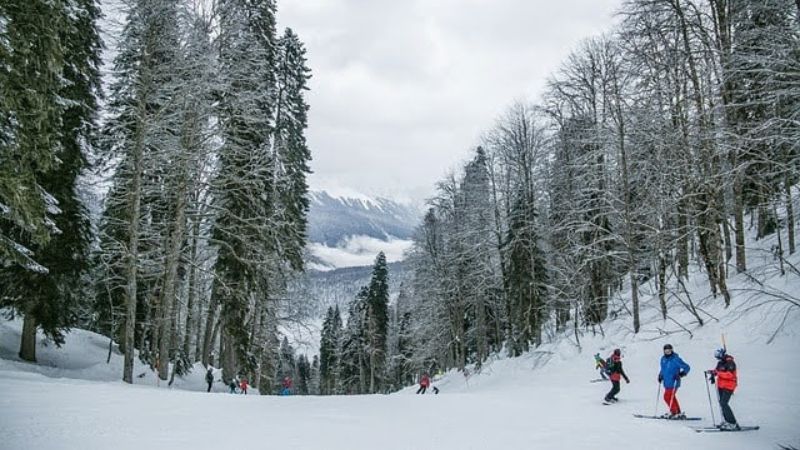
x=402, y=89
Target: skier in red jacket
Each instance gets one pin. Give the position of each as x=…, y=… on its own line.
x=727, y=381
x=243, y=386
x=615, y=373
x=287, y=386
x=424, y=383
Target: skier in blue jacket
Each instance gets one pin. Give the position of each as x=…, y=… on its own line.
x=673, y=368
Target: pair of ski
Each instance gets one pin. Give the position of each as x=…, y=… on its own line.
x=699, y=429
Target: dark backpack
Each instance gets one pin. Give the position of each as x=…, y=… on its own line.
x=610, y=365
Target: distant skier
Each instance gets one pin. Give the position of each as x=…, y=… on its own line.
x=673, y=368
x=232, y=385
x=243, y=386
x=726, y=384
x=424, y=383
x=287, y=386
x=614, y=367
x=600, y=364
x=210, y=378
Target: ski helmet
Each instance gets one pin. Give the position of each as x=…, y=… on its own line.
x=617, y=352
x=667, y=346
x=720, y=353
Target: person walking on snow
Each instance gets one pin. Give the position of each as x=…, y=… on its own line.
x=424, y=382
x=600, y=364
x=210, y=378
x=727, y=381
x=615, y=372
x=673, y=368
x=287, y=386
x=232, y=385
x=243, y=386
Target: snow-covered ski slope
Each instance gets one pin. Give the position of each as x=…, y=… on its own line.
x=543, y=400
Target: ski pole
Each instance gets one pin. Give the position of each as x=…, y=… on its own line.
x=658, y=397
x=710, y=405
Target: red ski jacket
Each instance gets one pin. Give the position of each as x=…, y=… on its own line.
x=726, y=374
x=425, y=381
x=616, y=369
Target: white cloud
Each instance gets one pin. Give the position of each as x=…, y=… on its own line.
x=358, y=251
x=401, y=91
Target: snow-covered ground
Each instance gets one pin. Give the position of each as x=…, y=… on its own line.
x=73, y=400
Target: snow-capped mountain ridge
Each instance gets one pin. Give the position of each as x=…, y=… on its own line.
x=349, y=230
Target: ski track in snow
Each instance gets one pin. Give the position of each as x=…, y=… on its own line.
x=509, y=405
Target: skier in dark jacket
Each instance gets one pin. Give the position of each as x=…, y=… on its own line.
x=210, y=378
x=673, y=368
x=727, y=381
x=615, y=373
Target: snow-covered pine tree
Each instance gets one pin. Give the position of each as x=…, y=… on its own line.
x=378, y=323
x=353, y=357
x=187, y=174
x=516, y=147
x=244, y=231
x=313, y=387
x=329, y=351
x=303, y=382
x=762, y=69
x=290, y=150
x=49, y=301
x=33, y=59
x=400, y=343
x=139, y=132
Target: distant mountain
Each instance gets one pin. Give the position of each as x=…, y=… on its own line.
x=333, y=219
x=349, y=231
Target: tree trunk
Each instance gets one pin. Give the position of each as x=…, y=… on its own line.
x=780, y=240
x=170, y=279
x=209, y=333
x=726, y=234
x=683, y=240
x=662, y=284
x=789, y=215
x=27, y=347
x=133, y=244
x=193, y=307
x=738, y=214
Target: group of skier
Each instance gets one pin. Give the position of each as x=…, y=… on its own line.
x=672, y=370
x=242, y=384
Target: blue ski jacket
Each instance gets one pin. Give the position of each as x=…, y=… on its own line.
x=671, y=368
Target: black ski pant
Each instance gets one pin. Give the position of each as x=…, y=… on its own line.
x=724, y=398
x=614, y=390
x=422, y=389
x=209, y=386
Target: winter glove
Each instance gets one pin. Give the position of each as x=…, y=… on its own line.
x=627, y=380
x=681, y=374
x=660, y=378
